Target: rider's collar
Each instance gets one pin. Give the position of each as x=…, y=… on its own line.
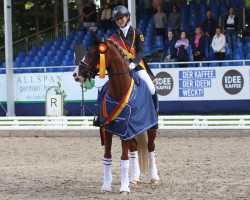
x=125, y=30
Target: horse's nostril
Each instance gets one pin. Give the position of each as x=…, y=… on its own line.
x=74, y=75
x=77, y=79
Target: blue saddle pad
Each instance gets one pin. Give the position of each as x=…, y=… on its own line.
x=137, y=116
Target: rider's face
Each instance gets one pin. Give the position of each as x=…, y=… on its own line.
x=121, y=22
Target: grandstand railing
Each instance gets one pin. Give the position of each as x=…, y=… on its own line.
x=38, y=39
x=160, y=64
x=196, y=122
x=200, y=63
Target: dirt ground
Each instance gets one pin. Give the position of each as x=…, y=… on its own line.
x=71, y=168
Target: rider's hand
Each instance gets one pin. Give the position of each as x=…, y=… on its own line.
x=132, y=66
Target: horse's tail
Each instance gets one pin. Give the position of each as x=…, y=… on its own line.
x=142, y=148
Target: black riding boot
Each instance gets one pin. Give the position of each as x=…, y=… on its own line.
x=96, y=121
x=155, y=100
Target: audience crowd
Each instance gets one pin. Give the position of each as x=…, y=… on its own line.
x=177, y=43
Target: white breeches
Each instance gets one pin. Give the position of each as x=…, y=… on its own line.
x=144, y=76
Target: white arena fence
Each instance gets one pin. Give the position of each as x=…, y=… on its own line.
x=160, y=64
x=187, y=122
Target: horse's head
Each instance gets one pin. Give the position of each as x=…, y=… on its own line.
x=93, y=62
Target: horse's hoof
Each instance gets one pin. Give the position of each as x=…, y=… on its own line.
x=154, y=182
x=123, y=193
x=106, y=189
x=134, y=183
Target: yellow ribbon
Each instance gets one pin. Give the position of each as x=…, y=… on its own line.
x=102, y=67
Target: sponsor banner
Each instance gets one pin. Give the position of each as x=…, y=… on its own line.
x=32, y=87
x=207, y=83
x=175, y=84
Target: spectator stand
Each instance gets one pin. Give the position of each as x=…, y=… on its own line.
x=47, y=52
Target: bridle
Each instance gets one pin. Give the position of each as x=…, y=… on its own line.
x=92, y=73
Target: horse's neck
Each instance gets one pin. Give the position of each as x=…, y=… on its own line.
x=118, y=84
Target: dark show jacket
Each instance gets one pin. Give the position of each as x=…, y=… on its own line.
x=235, y=25
x=138, y=43
x=202, y=46
x=170, y=44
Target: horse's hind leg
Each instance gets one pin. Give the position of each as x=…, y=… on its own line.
x=135, y=172
x=151, y=149
x=125, y=168
x=107, y=162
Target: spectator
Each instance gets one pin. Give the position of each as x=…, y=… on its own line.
x=209, y=27
x=218, y=44
x=148, y=7
x=174, y=21
x=125, y=3
x=231, y=24
x=89, y=15
x=198, y=45
x=156, y=4
x=169, y=49
x=106, y=17
x=160, y=19
x=116, y=3
x=248, y=13
x=182, y=49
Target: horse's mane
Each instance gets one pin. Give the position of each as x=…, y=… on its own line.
x=120, y=50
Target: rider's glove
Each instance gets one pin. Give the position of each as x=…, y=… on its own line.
x=132, y=66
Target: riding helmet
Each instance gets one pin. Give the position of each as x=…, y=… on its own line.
x=120, y=11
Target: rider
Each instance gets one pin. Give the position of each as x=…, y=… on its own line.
x=132, y=41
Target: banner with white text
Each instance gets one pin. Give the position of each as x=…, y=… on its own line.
x=175, y=84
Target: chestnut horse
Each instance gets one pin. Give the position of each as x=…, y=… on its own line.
x=119, y=83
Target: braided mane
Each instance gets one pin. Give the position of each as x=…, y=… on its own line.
x=120, y=50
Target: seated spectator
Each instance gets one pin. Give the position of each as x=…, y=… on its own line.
x=209, y=27
x=89, y=15
x=106, y=17
x=170, y=50
x=218, y=45
x=174, y=21
x=231, y=24
x=160, y=19
x=198, y=45
x=182, y=49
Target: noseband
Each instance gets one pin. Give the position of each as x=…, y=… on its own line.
x=91, y=70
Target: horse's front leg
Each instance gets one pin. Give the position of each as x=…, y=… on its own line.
x=125, y=168
x=135, y=172
x=151, y=150
x=107, y=163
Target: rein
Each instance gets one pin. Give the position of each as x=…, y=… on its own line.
x=114, y=74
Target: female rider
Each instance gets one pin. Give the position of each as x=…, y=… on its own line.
x=132, y=41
